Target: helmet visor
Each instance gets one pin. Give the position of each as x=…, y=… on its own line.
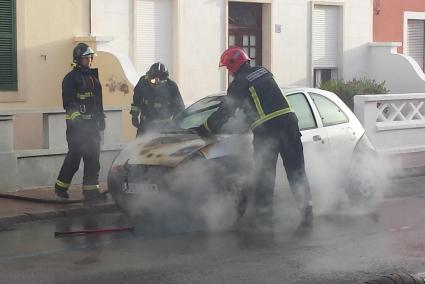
x=89, y=52
x=157, y=81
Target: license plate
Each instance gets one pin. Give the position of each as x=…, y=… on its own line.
x=139, y=187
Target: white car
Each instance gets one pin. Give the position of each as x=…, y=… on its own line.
x=173, y=159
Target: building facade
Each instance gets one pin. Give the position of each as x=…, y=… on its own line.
x=401, y=21
x=301, y=41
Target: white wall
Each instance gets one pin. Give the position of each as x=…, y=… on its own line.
x=201, y=39
x=114, y=18
x=400, y=72
x=291, y=48
x=358, y=33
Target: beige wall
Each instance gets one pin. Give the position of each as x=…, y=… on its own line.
x=45, y=40
x=117, y=90
x=46, y=37
x=45, y=32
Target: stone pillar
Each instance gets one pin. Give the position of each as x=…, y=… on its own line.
x=112, y=135
x=54, y=127
x=8, y=161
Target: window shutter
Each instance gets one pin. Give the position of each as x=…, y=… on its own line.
x=153, y=33
x=8, y=69
x=415, y=40
x=325, y=36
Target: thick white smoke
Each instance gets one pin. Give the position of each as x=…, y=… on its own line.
x=195, y=194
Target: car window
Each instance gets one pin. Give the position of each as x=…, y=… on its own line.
x=330, y=113
x=195, y=119
x=303, y=111
x=203, y=104
x=198, y=113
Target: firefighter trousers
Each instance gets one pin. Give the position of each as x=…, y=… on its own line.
x=84, y=146
x=279, y=136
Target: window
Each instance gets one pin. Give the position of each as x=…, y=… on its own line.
x=415, y=40
x=330, y=113
x=325, y=47
x=303, y=111
x=153, y=33
x=8, y=69
x=322, y=74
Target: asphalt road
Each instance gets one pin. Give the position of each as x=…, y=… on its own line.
x=345, y=245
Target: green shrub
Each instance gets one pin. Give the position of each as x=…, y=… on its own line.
x=347, y=90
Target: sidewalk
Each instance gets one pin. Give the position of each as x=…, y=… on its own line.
x=17, y=211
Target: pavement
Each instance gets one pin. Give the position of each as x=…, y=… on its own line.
x=18, y=211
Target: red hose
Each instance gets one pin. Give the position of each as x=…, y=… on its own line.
x=48, y=200
x=93, y=231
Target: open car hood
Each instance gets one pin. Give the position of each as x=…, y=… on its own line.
x=164, y=149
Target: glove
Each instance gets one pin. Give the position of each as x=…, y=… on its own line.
x=201, y=131
x=135, y=121
x=102, y=124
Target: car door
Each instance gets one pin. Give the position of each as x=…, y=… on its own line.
x=314, y=137
x=338, y=128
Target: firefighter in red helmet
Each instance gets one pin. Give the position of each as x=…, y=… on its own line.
x=82, y=101
x=275, y=130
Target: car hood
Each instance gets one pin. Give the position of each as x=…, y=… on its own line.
x=164, y=149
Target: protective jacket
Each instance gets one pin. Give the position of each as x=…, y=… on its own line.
x=254, y=90
x=82, y=100
x=155, y=102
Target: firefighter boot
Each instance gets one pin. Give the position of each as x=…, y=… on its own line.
x=307, y=215
x=264, y=218
x=93, y=195
x=61, y=192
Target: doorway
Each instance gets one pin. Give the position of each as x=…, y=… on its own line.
x=245, y=29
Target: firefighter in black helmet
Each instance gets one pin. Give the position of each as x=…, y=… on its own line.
x=156, y=97
x=82, y=101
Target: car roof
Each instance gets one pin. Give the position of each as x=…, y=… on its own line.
x=285, y=89
x=294, y=89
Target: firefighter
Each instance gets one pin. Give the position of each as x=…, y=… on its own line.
x=82, y=101
x=275, y=131
x=156, y=97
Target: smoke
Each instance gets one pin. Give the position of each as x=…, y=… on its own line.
x=208, y=192
x=194, y=192
x=189, y=194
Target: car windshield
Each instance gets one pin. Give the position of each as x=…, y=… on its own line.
x=198, y=113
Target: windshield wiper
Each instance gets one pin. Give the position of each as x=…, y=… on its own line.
x=178, y=131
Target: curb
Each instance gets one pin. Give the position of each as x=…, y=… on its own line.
x=6, y=222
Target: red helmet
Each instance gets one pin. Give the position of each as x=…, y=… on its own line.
x=233, y=58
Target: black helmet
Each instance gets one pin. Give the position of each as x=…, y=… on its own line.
x=158, y=70
x=82, y=50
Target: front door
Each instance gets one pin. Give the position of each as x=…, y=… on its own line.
x=245, y=26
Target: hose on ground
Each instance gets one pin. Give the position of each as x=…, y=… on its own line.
x=51, y=201
x=397, y=278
